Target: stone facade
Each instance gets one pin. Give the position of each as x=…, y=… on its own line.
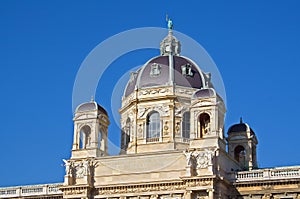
x=173, y=144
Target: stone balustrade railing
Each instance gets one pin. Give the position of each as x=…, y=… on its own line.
x=33, y=190
x=266, y=174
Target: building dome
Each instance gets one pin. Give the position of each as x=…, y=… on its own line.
x=90, y=106
x=241, y=127
x=156, y=72
x=168, y=69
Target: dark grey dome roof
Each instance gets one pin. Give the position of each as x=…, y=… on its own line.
x=90, y=106
x=145, y=78
x=204, y=93
x=241, y=127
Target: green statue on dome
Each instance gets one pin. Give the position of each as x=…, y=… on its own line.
x=170, y=23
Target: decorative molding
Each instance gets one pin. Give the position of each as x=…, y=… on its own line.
x=142, y=111
x=127, y=99
x=166, y=128
x=199, y=159
x=203, y=103
x=203, y=160
x=164, y=110
x=76, y=191
x=179, y=110
x=79, y=169
x=153, y=91
x=184, y=91
x=153, y=187
x=267, y=187
x=84, y=116
x=140, y=131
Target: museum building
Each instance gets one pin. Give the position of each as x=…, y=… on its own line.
x=173, y=143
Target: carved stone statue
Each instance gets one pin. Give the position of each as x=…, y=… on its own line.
x=86, y=165
x=68, y=166
x=188, y=156
x=205, y=127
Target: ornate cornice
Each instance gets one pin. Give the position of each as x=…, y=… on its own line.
x=155, y=187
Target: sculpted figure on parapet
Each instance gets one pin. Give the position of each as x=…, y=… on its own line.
x=79, y=168
x=69, y=167
x=86, y=165
x=188, y=156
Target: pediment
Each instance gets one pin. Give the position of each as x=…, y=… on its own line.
x=202, y=103
x=84, y=116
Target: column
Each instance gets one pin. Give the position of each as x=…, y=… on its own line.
x=188, y=195
x=210, y=193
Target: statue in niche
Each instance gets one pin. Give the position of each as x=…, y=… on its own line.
x=177, y=127
x=206, y=127
x=204, y=124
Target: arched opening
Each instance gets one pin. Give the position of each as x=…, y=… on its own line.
x=126, y=138
x=85, y=137
x=186, y=125
x=254, y=161
x=99, y=139
x=204, y=121
x=153, y=126
x=239, y=154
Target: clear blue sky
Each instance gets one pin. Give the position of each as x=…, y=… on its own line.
x=256, y=46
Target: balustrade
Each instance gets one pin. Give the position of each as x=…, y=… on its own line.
x=268, y=174
x=45, y=189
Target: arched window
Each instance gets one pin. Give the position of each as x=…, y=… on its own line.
x=153, y=125
x=204, y=121
x=127, y=132
x=239, y=154
x=85, y=137
x=186, y=125
x=125, y=137
x=99, y=139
